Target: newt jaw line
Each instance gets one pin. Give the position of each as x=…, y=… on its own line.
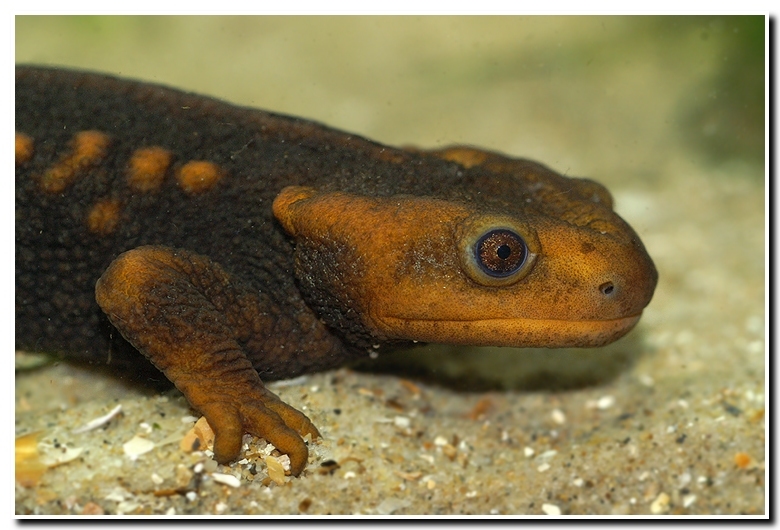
x=511, y=332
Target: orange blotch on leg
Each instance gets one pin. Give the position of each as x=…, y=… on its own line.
x=147, y=168
x=198, y=176
x=103, y=218
x=162, y=301
x=23, y=148
x=87, y=150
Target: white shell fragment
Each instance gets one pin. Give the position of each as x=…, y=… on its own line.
x=137, y=446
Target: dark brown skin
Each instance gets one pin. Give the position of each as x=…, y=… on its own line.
x=225, y=244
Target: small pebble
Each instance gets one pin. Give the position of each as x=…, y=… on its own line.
x=227, y=479
x=402, y=422
x=551, y=509
x=605, y=402
x=126, y=507
x=688, y=500
x=660, y=504
x=92, y=509
x=275, y=469
x=117, y=494
x=428, y=458
x=742, y=460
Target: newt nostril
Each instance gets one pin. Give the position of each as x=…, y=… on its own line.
x=607, y=288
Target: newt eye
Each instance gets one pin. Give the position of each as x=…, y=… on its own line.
x=500, y=253
x=497, y=251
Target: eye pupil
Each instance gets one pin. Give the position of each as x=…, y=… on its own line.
x=500, y=253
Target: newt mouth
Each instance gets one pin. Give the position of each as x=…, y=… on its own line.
x=511, y=332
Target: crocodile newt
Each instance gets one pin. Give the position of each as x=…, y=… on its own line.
x=225, y=245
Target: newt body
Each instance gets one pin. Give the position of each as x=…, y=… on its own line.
x=221, y=242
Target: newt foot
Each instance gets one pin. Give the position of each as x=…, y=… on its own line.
x=265, y=416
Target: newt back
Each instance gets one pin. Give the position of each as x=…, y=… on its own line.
x=112, y=165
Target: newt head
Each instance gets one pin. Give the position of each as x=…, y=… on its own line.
x=492, y=267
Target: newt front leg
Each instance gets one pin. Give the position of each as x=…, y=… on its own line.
x=186, y=315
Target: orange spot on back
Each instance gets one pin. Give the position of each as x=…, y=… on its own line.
x=23, y=148
x=87, y=150
x=465, y=156
x=391, y=155
x=198, y=176
x=147, y=167
x=103, y=217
